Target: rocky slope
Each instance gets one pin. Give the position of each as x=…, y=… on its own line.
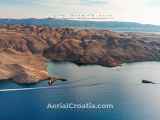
x=23, y=49
x=22, y=67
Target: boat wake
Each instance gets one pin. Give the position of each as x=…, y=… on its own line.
x=24, y=89
x=53, y=87
x=68, y=84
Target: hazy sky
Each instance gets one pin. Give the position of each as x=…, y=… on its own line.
x=144, y=11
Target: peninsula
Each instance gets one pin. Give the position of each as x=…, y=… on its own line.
x=25, y=49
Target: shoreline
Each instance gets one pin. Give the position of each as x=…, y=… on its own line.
x=25, y=50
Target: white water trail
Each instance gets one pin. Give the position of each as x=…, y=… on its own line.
x=53, y=87
x=25, y=89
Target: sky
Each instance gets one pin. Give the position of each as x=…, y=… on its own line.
x=143, y=11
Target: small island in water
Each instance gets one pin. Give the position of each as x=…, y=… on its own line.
x=26, y=49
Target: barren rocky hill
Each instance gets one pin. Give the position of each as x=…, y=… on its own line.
x=21, y=46
x=22, y=67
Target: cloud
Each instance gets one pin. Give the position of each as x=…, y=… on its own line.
x=134, y=10
x=93, y=2
x=123, y=10
x=153, y=3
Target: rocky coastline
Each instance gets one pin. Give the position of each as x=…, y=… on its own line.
x=24, y=50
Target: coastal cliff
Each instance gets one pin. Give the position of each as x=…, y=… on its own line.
x=24, y=49
x=22, y=67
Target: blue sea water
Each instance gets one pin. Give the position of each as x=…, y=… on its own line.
x=120, y=86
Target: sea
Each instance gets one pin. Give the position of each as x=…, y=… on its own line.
x=120, y=88
x=91, y=92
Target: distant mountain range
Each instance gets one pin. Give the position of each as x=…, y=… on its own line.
x=112, y=25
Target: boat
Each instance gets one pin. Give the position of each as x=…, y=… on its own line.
x=51, y=80
x=147, y=81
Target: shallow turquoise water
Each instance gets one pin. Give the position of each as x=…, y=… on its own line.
x=120, y=86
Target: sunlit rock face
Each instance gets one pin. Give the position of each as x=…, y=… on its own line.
x=22, y=67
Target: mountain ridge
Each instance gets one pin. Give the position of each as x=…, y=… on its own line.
x=24, y=49
x=112, y=25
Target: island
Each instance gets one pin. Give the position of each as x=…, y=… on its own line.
x=26, y=49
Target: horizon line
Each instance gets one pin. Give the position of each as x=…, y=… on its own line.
x=78, y=19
